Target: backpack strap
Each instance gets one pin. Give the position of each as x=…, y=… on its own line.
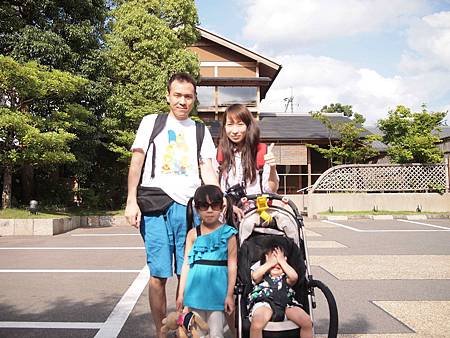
x=219, y=155
x=159, y=125
x=262, y=150
x=200, y=134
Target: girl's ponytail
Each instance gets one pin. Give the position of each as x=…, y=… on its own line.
x=229, y=214
x=189, y=215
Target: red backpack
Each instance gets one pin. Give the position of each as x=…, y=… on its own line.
x=262, y=150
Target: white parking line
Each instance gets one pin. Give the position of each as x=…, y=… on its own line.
x=390, y=230
x=76, y=248
x=113, y=325
x=50, y=325
x=343, y=226
x=426, y=224
x=102, y=235
x=65, y=271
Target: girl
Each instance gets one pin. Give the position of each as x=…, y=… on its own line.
x=209, y=270
x=272, y=297
x=238, y=147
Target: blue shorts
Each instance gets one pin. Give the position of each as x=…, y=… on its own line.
x=164, y=238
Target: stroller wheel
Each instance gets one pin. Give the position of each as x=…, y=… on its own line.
x=332, y=306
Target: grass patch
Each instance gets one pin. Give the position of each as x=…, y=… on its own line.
x=91, y=212
x=379, y=212
x=21, y=213
x=14, y=213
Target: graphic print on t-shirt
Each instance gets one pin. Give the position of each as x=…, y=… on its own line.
x=176, y=156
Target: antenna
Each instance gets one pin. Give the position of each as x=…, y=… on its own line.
x=289, y=101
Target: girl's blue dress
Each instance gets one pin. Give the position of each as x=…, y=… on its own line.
x=206, y=285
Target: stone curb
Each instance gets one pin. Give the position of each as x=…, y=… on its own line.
x=55, y=226
x=414, y=217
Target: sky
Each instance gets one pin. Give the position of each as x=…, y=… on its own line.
x=370, y=54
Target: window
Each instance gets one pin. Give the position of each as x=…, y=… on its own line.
x=205, y=97
x=231, y=95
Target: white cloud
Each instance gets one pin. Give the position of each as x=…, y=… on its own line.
x=430, y=39
x=319, y=81
x=280, y=27
x=291, y=22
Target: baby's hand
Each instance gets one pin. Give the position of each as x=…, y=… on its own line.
x=272, y=259
x=279, y=255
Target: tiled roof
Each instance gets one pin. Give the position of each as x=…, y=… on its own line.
x=284, y=128
x=287, y=127
x=445, y=133
x=296, y=127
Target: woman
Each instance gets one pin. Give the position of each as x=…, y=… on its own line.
x=239, y=151
x=240, y=164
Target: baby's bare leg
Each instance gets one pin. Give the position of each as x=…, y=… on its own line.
x=261, y=316
x=302, y=319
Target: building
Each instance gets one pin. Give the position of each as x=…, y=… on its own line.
x=230, y=73
x=444, y=135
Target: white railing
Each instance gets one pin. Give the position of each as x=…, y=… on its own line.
x=384, y=178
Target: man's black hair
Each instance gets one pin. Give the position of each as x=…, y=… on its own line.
x=182, y=77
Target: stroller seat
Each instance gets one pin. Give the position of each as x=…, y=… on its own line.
x=249, y=253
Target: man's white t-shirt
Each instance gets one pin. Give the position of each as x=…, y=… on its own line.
x=176, y=166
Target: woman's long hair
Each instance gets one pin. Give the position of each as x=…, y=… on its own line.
x=208, y=194
x=249, y=146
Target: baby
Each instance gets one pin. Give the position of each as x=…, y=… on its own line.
x=272, y=298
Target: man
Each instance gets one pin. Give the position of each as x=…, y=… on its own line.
x=176, y=173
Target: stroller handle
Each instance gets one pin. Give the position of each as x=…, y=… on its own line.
x=272, y=196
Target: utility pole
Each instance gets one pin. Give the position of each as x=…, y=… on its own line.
x=289, y=101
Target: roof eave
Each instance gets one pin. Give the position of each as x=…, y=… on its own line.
x=234, y=81
x=238, y=48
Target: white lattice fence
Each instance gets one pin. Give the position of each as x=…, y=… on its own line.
x=384, y=178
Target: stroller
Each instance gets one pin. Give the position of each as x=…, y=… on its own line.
x=276, y=219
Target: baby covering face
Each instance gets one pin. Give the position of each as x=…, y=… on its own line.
x=272, y=256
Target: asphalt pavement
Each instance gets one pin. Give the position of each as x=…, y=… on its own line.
x=391, y=278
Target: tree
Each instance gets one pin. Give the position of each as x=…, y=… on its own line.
x=61, y=34
x=27, y=138
x=348, y=141
x=411, y=137
x=147, y=44
x=338, y=108
x=65, y=35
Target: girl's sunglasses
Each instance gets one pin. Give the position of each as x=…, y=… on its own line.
x=203, y=206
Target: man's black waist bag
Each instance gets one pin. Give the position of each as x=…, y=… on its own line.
x=152, y=200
